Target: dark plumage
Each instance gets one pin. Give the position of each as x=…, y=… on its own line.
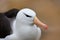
x=5, y=22
x=11, y=13
x=5, y=28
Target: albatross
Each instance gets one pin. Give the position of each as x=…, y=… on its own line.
x=26, y=26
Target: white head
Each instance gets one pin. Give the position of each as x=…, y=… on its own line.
x=25, y=16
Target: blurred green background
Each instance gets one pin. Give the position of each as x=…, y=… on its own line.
x=48, y=11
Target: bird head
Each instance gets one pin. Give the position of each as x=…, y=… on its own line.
x=25, y=16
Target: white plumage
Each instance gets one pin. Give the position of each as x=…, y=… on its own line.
x=23, y=26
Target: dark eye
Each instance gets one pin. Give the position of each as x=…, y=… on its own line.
x=27, y=15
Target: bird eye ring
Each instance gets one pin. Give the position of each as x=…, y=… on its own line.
x=27, y=15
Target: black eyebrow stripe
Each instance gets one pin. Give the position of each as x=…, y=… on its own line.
x=27, y=15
